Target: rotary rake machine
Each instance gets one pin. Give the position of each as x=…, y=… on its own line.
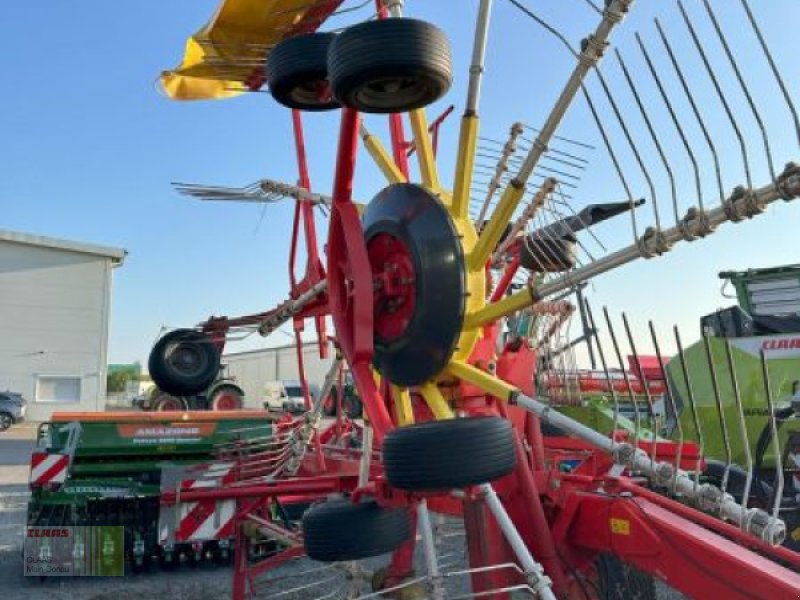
x=451, y=311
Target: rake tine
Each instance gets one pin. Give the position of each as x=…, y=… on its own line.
x=690, y=97
x=675, y=121
x=634, y=148
x=720, y=413
x=601, y=353
x=742, y=426
x=613, y=155
x=773, y=426
x=692, y=404
x=652, y=419
x=502, y=166
x=671, y=399
x=631, y=395
x=734, y=124
x=745, y=90
x=653, y=136
x=773, y=67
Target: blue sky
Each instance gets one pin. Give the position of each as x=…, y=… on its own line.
x=89, y=147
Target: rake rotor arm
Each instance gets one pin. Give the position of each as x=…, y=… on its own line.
x=592, y=51
x=740, y=205
x=291, y=308
x=708, y=497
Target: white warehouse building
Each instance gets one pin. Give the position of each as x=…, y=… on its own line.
x=253, y=369
x=55, y=301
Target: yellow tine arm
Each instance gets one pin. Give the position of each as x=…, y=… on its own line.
x=488, y=383
x=508, y=305
x=494, y=228
x=435, y=401
x=402, y=404
x=378, y=153
x=465, y=165
x=422, y=142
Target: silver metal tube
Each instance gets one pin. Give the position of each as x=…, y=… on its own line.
x=534, y=572
x=788, y=184
x=291, y=308
x=708, y=497
x=429, y=548
x=593, y=48
x=478, y=57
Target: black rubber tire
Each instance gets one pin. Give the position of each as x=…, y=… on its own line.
x=338, y=529
x=228, y=388
x=454, y=453
x=6, y=421
x=367, y=62
x=297, y=68
x=548, y=255
x=621, y=581
x=201, y=362
x=413, y=215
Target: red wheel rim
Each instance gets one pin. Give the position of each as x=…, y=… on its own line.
x=169, y=404
x=393, y=280
x=227, y=401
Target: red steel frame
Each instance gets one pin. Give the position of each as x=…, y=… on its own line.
x=566, y=519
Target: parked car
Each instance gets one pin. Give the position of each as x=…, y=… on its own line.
x=286, y=396
x=12, y=409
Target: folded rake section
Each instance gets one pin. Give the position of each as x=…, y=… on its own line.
x=651, y=106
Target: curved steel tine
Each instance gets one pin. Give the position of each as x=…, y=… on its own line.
x=634, y=148
x=690, y=97
x=670, y=397
x=613, y=155
x=773, y=427
x=601, y=353
x=631, y=395
x=692, y=405
x=712, y=370
x=745, y=90
x=675, y=121
x=728, y=111
x=652, y=419
x=773, y=67
x=651, y=129
x=742, y=425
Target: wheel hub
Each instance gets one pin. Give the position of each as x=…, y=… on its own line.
x=393, y=281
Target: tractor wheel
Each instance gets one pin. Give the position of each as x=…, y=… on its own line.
x=454, y=453
x=338, y=530
x=167, y=402
x=226, y=397
x=390, y=65
x=184, y=362
x=620, y=581
x=297, y=72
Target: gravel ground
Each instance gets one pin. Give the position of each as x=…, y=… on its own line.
x=201, y=583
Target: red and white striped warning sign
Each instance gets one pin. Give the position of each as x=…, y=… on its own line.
x=208, y=476
x=199, y=521
x=48, y=469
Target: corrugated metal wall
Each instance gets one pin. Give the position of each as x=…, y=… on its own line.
x=252, y=370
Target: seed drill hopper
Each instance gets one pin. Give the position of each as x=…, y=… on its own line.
x=449, y=297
